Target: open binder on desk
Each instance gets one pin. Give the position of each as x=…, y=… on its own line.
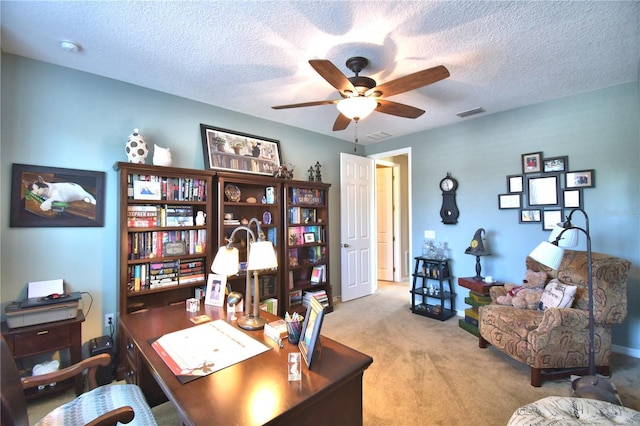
x=204, y=349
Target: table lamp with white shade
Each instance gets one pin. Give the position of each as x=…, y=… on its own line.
x=260, y=256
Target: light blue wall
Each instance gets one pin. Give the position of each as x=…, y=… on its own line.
x=58, y=117
x=54, y=116
x=598, y=130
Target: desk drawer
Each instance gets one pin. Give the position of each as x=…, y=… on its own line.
x=44, y=340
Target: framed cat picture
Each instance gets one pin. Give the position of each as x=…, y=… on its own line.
x=55, y=197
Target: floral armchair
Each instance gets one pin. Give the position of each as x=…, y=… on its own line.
x=553, y=341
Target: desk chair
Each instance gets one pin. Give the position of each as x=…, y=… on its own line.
x=106, y=405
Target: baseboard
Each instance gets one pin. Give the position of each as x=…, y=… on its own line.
x=635, y=353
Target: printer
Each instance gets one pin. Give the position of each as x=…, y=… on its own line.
x=46, y=302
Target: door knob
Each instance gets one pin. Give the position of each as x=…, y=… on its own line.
x=345, y=245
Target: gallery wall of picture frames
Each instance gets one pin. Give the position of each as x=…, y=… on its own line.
x=544, y=188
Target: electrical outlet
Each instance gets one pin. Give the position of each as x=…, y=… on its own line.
x=109, y=321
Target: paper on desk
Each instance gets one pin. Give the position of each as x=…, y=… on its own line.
x=44, y=288
x=204, y=349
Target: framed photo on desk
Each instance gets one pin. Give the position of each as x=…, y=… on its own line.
x=309, y=343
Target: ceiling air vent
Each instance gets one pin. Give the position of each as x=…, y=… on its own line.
x=474, y=111
x=378, y=136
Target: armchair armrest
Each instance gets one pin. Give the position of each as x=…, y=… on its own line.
x=496, y=291
x=122, y=415
x=91, y=363
x=573, y=318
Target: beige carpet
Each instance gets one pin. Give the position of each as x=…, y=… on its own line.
x=426, y=372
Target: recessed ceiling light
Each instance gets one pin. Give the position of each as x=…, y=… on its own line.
x=70, y=46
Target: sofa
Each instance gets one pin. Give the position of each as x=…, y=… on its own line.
x=555, y=342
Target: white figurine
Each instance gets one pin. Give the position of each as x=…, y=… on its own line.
x=161, y=156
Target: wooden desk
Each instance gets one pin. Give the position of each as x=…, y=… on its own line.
x=252, y=392
x=49, y=337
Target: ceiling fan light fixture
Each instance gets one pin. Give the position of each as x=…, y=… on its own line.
x=358, y=107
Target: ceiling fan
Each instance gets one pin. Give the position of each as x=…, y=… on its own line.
x=362, y=95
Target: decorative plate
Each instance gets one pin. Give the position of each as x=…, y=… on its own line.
x=232, y=192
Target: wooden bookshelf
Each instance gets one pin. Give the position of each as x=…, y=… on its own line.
x=243, y=197
x=164, y=255
x=306, y=238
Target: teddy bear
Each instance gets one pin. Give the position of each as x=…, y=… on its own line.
x=527, y=295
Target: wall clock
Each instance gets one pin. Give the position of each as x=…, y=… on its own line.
x=449, y=211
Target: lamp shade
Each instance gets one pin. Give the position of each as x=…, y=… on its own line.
x=569, y=237
x=357, y=107
x=261, y=256
x=548, y=254
x=226, y=261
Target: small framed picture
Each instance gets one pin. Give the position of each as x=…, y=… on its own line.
x=146, y=190
x=309, y=343
x=581, y=179
x=550, y=218
x=555, y=164
x=309, y=237
x=543, y=191
x=572, y=198
x=532, y=162
x=509, y=201
x=515, y=183
x=216, y=286
x=530, y=216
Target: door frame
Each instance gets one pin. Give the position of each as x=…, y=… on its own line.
x=379, y=158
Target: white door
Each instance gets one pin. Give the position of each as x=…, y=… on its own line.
x=385, y=206
x=357, y=216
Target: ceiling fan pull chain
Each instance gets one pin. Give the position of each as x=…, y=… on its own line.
x=355, y=136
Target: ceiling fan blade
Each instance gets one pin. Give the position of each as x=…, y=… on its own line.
x=332, y=74
x=305, y=104
x=411, y=81
x=400, y=110
x=341, y=122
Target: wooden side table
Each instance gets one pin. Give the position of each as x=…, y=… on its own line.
x=478, y=296
x=49, y=337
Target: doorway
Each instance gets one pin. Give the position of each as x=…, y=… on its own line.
x=393, y=218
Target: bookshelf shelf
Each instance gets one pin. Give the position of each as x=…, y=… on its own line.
x=428, y=292
x=306, y=230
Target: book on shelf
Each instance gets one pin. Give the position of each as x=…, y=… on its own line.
x=150, y=244
x=294, y=215
x=308, y=215
x=320, y=295
x=270, y=305
x=317, y=274
x=147, y=187
x=307, y=196
x=295, y=297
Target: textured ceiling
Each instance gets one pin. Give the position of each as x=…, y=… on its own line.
x=249, y=56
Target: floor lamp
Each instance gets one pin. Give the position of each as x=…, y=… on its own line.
x=550, y=254
x=260, y=256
